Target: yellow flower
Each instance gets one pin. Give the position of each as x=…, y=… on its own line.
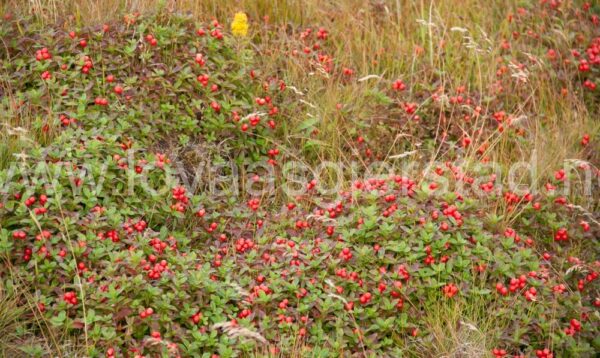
x=239, y=26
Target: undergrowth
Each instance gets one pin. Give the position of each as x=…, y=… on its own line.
x=119, y=238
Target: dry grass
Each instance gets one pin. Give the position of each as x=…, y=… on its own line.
x=460, y=41
x=24, y=331
x=11, y=314
x=18, y=314
x=461, y=329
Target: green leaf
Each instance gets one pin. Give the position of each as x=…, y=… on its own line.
x=59, y=319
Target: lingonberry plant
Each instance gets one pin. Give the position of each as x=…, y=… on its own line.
x=124, y=246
